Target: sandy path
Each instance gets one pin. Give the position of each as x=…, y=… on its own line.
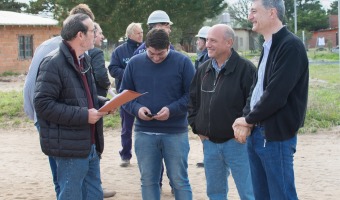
x=25, y=172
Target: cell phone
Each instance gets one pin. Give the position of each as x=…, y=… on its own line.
x=149, y=114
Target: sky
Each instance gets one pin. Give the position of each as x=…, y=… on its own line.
x=325, y=3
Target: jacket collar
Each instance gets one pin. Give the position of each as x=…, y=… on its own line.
x=133, y=43
x=229, y=67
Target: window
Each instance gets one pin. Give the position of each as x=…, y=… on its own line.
x=241, y=42
x=25, y=46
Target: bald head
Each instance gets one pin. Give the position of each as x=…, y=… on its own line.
x=220, y=40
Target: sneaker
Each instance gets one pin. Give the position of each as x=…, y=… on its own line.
x=125, y=163
x=200, y=164
x=108, y=194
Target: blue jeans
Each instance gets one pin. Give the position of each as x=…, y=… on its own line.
x=219, y=160
x=53, y=166
x=174, y=149
x=271, y=165
x=126, y=136
x=79, y=178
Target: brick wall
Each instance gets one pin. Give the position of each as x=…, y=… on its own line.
x=9, y=50
x=329, y=35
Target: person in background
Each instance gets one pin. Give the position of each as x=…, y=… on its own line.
x=202, y=56
x=119, y=59
x=98, y=63
x=161, y=127
x=218, y=94
x=202, y=52
x=157, y=19
x=277, y=104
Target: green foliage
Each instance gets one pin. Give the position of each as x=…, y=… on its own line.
x=112, y=121
x=12, y=5
x=324, y=55
x=333, y=8
x=114, y=16
x=11, y=108
x=310, y=15
x=9, y=73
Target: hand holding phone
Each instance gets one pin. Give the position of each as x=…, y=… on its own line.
x=149, y=114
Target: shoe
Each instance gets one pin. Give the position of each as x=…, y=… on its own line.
x=200, y=164
x=108, y=194
x=125, y=163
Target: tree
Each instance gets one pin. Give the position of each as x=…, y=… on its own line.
x=239, y=12
x=11, y=5
x=310, y=15
x=333, y=9
x=114, y=16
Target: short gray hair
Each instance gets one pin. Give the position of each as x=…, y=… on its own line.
x=131, y=28
x=279, y=5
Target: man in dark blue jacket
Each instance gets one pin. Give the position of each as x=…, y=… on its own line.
x=277, y=104
x=119, y=59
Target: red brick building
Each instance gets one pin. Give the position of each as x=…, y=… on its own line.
x=20, y=35
x=328, y=36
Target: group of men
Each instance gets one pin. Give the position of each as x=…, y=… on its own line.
x=247, y=119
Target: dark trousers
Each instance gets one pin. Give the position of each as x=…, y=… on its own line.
x=126, y=135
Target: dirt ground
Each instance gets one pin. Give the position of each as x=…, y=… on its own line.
x=25, y=173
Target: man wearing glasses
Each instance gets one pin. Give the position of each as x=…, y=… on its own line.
x=218, y=94
x=66, y=103
x=161, y=126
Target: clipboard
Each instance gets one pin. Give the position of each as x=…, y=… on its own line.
x=120, y=99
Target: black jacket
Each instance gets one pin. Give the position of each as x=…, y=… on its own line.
x=62, y=107
x=213, y=113
x=282, y=107
x=99, y=71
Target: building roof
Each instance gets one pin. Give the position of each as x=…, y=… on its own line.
x=16, y=19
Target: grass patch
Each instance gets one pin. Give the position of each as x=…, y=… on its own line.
x=11, y=109
x=9, y=73
x=323, y=103
x=12, y=112
x=323, y=99
x=322, y=55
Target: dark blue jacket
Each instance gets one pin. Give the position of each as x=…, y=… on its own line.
x=119, y=59
x=201, y=58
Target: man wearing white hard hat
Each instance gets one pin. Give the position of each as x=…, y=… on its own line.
x=202, y=54
x=157, y=19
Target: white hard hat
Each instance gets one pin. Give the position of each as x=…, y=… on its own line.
x=159, y=16
x=203, y=32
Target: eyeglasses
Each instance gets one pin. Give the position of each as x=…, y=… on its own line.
x=212, y=87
